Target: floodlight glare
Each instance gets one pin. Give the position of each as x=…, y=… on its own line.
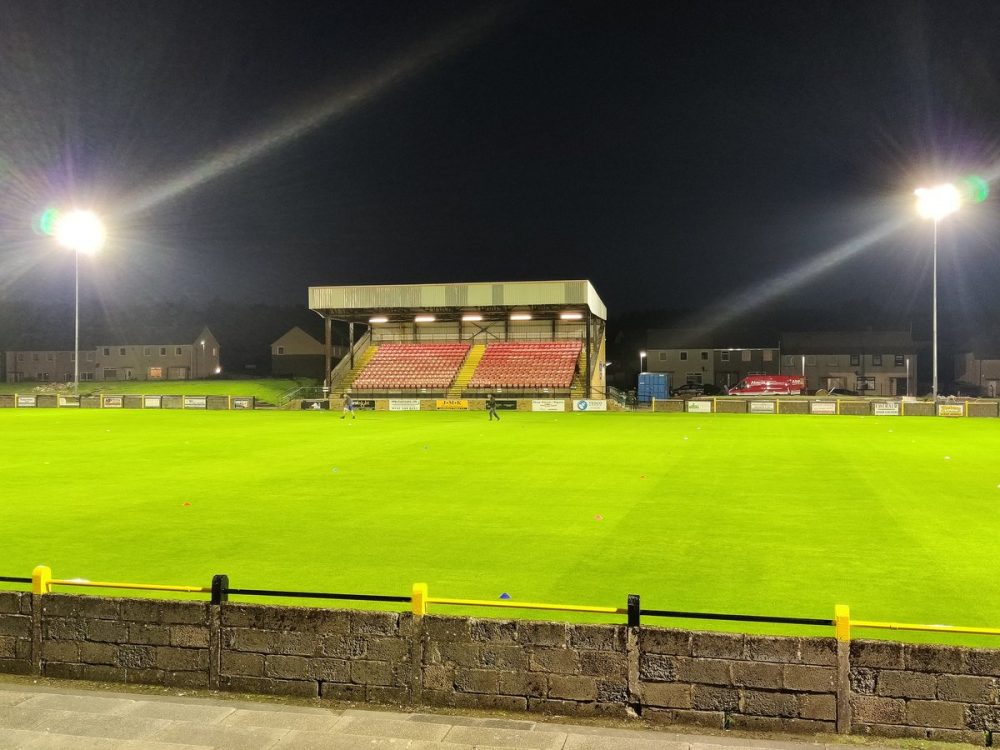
x=424, y=319
x=570, y=316
x=81, y=231
x=937, y=202
x=520, y=316
x=378, y=319
x=471, y=318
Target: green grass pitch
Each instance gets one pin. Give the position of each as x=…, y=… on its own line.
x=776, y=515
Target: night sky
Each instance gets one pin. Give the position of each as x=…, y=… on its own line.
x=696, y=155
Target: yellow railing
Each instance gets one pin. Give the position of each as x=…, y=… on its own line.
x=42, y=583
x=421, y=600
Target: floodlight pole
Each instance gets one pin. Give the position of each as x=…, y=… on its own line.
x=76, y=331
x=934, y=319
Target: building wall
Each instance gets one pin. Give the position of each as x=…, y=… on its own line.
x=850, y=371
x=129, y=362
x=983, y=372
x=44, y=366
x=716, y=366
x=717, y=680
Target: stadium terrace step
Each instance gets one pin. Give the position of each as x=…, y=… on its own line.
x=465, y=374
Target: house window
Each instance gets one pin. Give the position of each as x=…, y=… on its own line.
x=693, y=377
x=72, y=356
x=876, y=360
x=121, y=351
x=34, y=357
x=20, y=356
x=866, y=384
x=704, y=356
x=68, y=377
x=663, y=356
x=44, y=377
x=899, y=360
x=155, y=373
x=684, y=356
x=163, y=351
x=281, y=350
x=177, y=350
x=90, y=358
x=768, y=355
x=107, y=352
x=745, y=355
x=86, y=376
x=724, y=357
x=110, y=373
x=146, y=351
x=855, y=360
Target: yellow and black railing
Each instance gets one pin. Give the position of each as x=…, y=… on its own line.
x=420, y=600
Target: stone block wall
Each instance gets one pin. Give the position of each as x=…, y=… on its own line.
x=925, y=691
x=720, y=680
x=312, y=652
x=516, y=665
x=726, y=680
x=16, y=633
x=124, y=640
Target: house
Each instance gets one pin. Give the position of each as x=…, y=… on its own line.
x=151, y=361
x=692, y=357
x=299, y=354
x=873, y=363
x=979, y=366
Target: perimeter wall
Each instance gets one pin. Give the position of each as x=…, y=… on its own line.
x=719, y=680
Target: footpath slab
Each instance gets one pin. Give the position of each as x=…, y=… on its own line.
x=59, y=716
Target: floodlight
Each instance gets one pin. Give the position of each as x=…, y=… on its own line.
x=520, y=316
x=937, y=202
x=81, y=231
x=570, y=316
x=378, y=319
x=471, y=318
x=424, y=319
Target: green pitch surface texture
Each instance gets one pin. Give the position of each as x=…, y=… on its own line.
x=767, y=515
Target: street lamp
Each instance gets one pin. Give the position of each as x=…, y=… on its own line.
x=935, y=203
x=642, y=356
x=81, y=232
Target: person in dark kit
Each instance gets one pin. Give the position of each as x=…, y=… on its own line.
x=491, y=407
x=348, y=406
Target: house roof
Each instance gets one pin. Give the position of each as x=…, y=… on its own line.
x=848, y=342
x=690, y=338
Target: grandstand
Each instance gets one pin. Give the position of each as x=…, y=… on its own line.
x=522, y=339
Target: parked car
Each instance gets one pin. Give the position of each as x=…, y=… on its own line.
x=689, y=390
x=769, y=385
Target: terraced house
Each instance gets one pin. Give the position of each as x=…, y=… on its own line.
x=111, y=362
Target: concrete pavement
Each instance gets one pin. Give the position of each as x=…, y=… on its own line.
x=56, y=715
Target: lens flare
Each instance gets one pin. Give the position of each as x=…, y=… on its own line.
x=976, y=188
x=45, y=222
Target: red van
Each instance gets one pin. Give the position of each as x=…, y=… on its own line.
x=769, y=385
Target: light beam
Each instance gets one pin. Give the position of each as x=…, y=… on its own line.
x=335, y=105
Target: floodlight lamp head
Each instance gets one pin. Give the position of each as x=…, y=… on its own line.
x=937, y=202
x=80, y=231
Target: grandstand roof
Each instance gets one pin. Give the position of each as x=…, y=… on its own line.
x=358, y=303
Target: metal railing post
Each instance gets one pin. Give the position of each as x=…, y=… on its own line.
x=634, y=610
x=220, y=589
